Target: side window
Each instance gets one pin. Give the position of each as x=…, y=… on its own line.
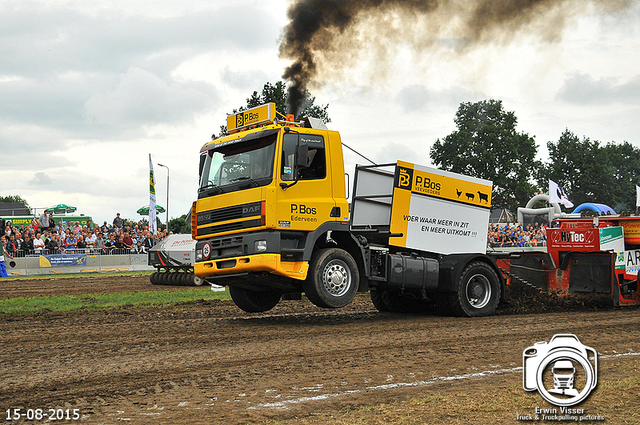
x=288, y=156
x=316, y=165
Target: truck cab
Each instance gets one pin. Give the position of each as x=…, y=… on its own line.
x=271, y=194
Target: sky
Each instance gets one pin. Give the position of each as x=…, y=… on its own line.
x=89, y=89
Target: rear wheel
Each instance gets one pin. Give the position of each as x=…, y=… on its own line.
x=376, y=299
x=332, y=281
x=253, y=301
x=477, y=292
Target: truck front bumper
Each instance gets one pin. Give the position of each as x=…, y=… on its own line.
x=267, y=262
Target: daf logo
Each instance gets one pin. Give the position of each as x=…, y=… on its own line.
x=250, y=210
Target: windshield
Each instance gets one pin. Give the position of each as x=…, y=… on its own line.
x=236, y=166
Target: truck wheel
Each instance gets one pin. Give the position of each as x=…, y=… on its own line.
x=376, y=299
x=332, y=281
x=397, y=303
x=478, y=291
x=253, y=301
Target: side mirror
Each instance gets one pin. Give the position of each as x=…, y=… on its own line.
x=302, y=153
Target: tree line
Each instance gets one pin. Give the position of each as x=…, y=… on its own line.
x=487, y=145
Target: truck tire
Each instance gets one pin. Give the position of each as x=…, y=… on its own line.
x=376, y=299
x=477, y=291
x=253, y=301
x=397, y=303
x=332, y=280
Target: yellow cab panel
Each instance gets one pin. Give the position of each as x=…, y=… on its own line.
x=263, y=191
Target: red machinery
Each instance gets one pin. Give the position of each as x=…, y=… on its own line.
x=587, y=255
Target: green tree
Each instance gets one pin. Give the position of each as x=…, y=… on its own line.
x=180, y=225
x=625, y=161
x=486, y=145
x=277, y=93
x=590, y=172
x=14, y=199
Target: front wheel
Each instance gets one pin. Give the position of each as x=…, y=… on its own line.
x=332, y=281
x=253, y=301
x=477, y=292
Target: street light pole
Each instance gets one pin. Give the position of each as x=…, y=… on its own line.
x=167, y=196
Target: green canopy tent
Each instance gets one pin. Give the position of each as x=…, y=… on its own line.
x=61, y=209
x=145, y=210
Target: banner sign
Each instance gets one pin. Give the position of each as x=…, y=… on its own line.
x=439, y=211
x=629, y=261
x=152, y=199
x=65, y=220
x=63, y=260
x=611, y=239
x=262, y=114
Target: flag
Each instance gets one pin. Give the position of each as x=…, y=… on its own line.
x=557, y=195
x=637, y=196
x=152, y=199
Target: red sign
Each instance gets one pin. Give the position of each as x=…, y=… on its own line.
x=572, y=239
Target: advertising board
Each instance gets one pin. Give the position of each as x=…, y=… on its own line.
x=255, y=116
x=439, y=211
x=65, y=220
x=628, y=262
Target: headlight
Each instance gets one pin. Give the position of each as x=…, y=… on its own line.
x=261, y=246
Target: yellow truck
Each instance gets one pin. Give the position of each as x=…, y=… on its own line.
x=272, y=219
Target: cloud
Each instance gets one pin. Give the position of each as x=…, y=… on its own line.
x=418, y=98
x=99, y=72
x=41, y=179
x=39, y=41
x=242, y=80
x=144, y=98
x=583, y=89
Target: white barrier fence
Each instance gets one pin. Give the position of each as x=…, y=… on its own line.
x=33, y=265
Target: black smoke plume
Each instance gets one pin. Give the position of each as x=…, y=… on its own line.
x=317, y=26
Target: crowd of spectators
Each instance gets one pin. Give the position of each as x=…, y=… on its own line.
x=516, y=235
x=50, y=236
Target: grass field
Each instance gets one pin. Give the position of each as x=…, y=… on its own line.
x=72, y=302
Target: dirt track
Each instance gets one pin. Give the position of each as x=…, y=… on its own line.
x=208, y=362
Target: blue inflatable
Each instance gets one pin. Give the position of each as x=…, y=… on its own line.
x=601, y=209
